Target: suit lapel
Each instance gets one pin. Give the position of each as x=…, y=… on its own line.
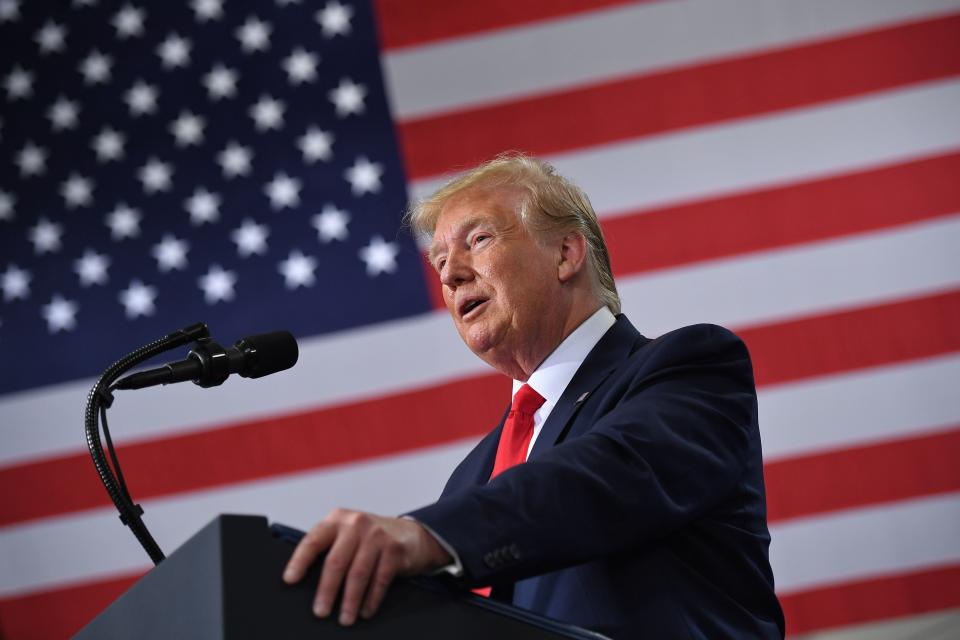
x=485, y=454
x=488, y=453
x=614, y=347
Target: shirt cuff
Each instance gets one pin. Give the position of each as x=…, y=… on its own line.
x=455, y=568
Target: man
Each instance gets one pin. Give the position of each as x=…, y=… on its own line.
x=640, y=508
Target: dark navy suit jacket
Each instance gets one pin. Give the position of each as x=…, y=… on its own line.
x=640, y=512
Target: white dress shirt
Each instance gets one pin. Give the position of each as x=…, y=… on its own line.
x=551, y=378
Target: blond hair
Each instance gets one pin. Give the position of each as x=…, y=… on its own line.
x=553, y=204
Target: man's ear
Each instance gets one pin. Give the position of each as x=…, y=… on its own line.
x=573, y=256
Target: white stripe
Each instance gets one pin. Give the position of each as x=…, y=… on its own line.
x=94, y=544
x=851, y=409
x=763, y=287
x=593, y=47
x=776, y=285
x=928, y=626
x=862, y=543
x=789, y=146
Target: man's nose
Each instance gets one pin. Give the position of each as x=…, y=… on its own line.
x=456, y=270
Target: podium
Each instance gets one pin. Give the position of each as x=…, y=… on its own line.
x=224, y=582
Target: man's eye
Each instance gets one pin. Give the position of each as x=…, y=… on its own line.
x=480, y=238
x=440, y=263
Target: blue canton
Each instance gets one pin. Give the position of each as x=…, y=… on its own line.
x=162, y=164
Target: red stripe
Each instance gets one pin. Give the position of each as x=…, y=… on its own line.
x=59, y=613
x=885, y=472
x=283, y=444
x=404, y=23
x=783, y=216
x=643, y=105
x=870, y=600
x=866, y=337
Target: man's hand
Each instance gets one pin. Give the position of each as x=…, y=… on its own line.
x=366, y=550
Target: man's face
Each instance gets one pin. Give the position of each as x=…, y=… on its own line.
x=500, y=284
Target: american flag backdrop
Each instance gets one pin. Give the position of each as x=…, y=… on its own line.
x=788, y=169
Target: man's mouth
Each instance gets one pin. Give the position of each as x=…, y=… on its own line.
x=469, y=305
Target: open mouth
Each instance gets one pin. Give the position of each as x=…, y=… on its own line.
x=470, y=305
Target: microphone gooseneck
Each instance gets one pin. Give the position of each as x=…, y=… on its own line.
x=98, y=400
x=208, y=364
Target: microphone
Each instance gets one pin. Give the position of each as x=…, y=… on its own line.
x=209, y=364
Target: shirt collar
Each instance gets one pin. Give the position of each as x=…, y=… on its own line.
x=555, y=373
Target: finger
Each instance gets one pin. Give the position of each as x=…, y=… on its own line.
x=388, y=565
x=358, y=578
x=313, y=544
x=335, y=566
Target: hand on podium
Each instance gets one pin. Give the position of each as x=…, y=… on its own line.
x=364, y=554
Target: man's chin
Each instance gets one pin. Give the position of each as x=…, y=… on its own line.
x=479, y=341
x=481, y=347
x=501, y=359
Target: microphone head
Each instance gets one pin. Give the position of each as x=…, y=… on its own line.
x=267, y=353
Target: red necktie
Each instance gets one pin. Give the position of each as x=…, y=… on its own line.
x=515, y=439
x=517, y=430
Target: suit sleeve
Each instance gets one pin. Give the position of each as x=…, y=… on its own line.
x=668, y=443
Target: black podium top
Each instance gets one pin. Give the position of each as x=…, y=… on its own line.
x=225, y=583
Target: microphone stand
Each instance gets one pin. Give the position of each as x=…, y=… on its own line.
x=98, y=401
